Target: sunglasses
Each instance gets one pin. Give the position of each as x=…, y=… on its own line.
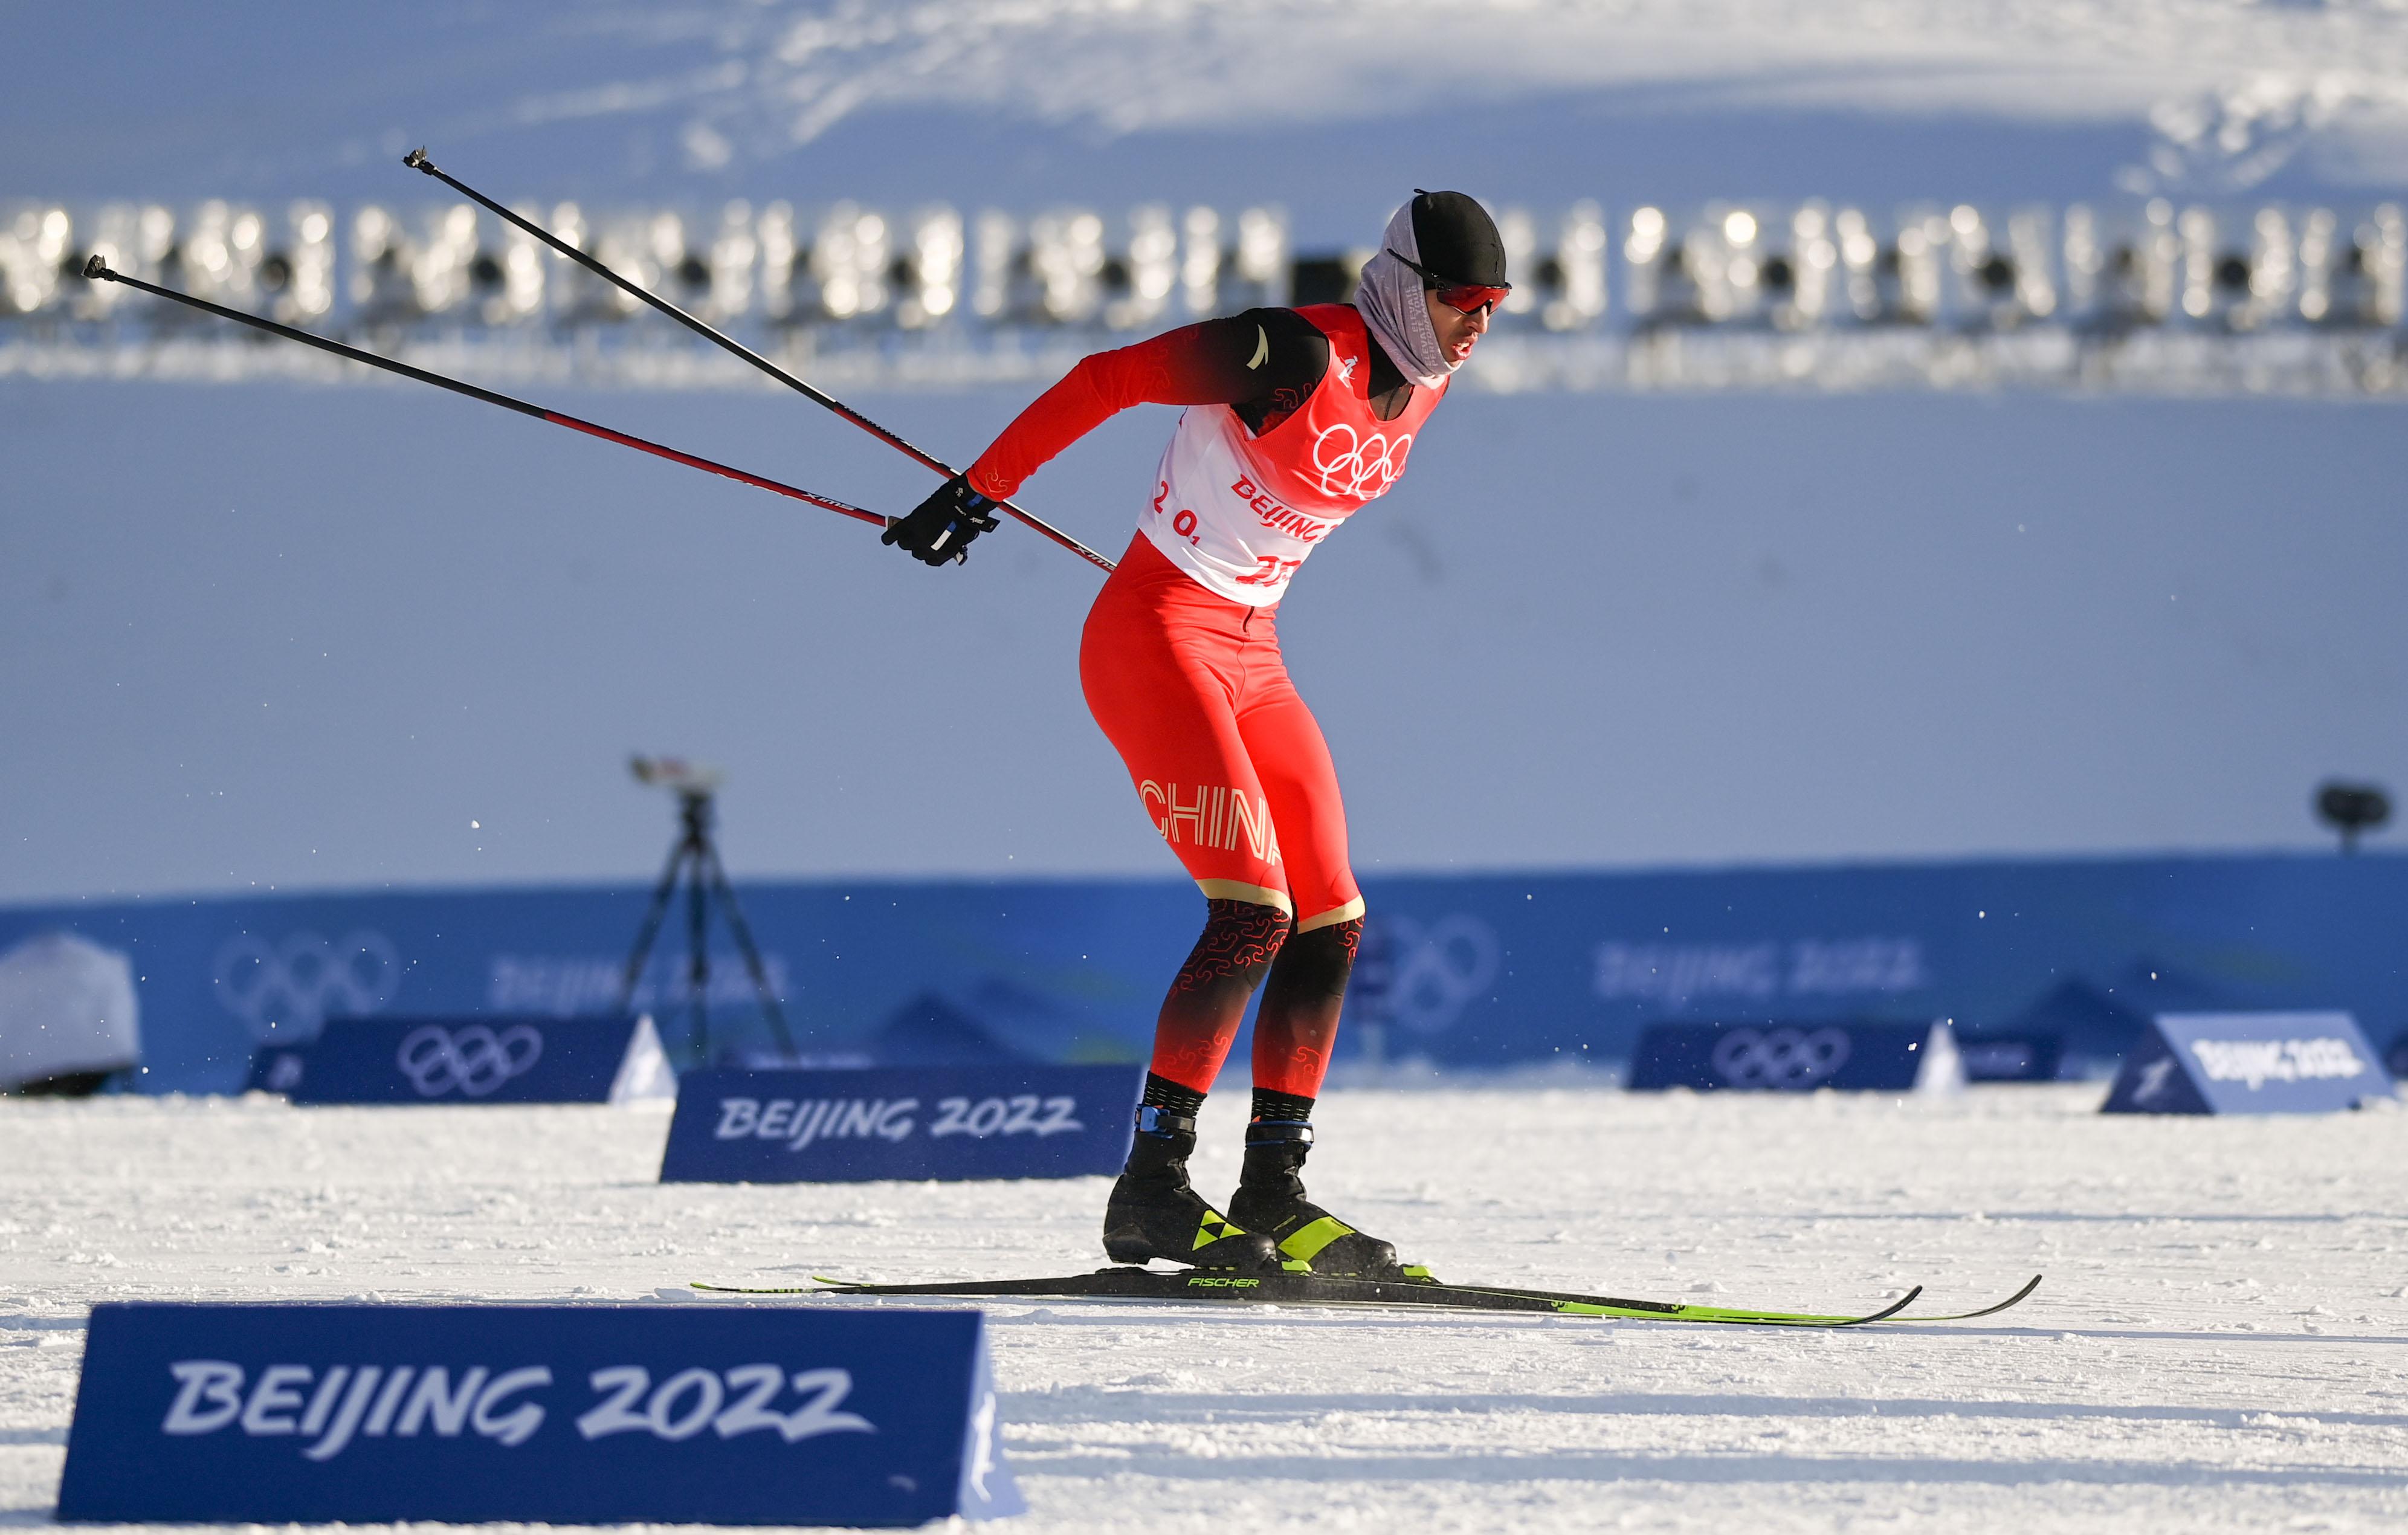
x=1462, y=298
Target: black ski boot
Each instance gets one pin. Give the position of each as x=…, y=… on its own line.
x=1271, y=1199
x=1153, y=1213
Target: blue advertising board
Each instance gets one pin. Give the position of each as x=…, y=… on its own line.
x=552, y=1414
x=2249, y=1062
x=1464, y=972
x=466, y=1060
x=855, y=1125
x=1856, y=1055
x=2012, y=1057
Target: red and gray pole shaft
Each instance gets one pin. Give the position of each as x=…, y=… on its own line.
x=416, y=160
x=97, y=271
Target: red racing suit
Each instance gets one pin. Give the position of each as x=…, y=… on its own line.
x=1180, y=658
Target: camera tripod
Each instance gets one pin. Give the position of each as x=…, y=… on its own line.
x=696, y=860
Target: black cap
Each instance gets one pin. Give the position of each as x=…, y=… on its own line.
x=1459, y=240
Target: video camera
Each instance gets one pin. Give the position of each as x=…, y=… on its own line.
x=677, y=775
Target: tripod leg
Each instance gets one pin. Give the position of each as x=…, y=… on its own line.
x=651, y=929
x=698, y=938
x=744, y=945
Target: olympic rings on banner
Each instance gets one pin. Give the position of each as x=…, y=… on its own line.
x=1781, y=1060
x=288, y=991
x=1437, y=970
x=472, y=1059
x=1358, y=466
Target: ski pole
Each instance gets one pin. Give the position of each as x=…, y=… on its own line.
x=416, y=160
x=97, y=269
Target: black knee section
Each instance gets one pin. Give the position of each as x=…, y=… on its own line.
x=1316, y=964
x=1240, y=941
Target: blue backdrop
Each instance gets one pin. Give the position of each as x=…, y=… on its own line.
x=1467, y=972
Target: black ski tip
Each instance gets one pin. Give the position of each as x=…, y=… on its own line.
x=2009, y=1303
x=1887, y=1312
x=416, y=160
x=97, y=268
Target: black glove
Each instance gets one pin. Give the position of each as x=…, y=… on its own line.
x=939, y=529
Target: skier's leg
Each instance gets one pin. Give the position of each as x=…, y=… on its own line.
x=1159, y=677
x=1153, y=1211
x=1207, y=1003
x=1152, y=662
x=1298, y=1019
x=1288, y=753
x=1301, y=998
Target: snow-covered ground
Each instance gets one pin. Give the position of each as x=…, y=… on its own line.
x=1328, y=105
x=2222, y=1341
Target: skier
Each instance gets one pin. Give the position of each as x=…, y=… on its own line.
x=1295, y=418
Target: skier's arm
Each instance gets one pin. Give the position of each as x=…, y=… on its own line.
x=1268, y=358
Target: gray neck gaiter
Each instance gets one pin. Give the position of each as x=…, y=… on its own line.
x=1390, y=298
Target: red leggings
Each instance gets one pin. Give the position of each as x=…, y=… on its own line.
x=1229, y=763
x=1234, y=774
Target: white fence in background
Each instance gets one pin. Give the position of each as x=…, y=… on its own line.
x=2153, y=298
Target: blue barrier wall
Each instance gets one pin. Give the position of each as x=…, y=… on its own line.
x=1471, y=972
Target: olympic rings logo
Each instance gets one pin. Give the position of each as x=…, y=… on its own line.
x=289, y=991
x=1431, y=973
x=1783, y=1060
x=473, y=1060
x=1358, y=466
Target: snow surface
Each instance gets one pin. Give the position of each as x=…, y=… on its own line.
x=1117, y=100
x=2217, y=77
x=2222, y=1341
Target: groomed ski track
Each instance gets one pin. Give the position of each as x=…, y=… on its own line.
x=2221, y=1344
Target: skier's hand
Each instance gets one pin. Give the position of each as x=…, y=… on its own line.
x=939, y=529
